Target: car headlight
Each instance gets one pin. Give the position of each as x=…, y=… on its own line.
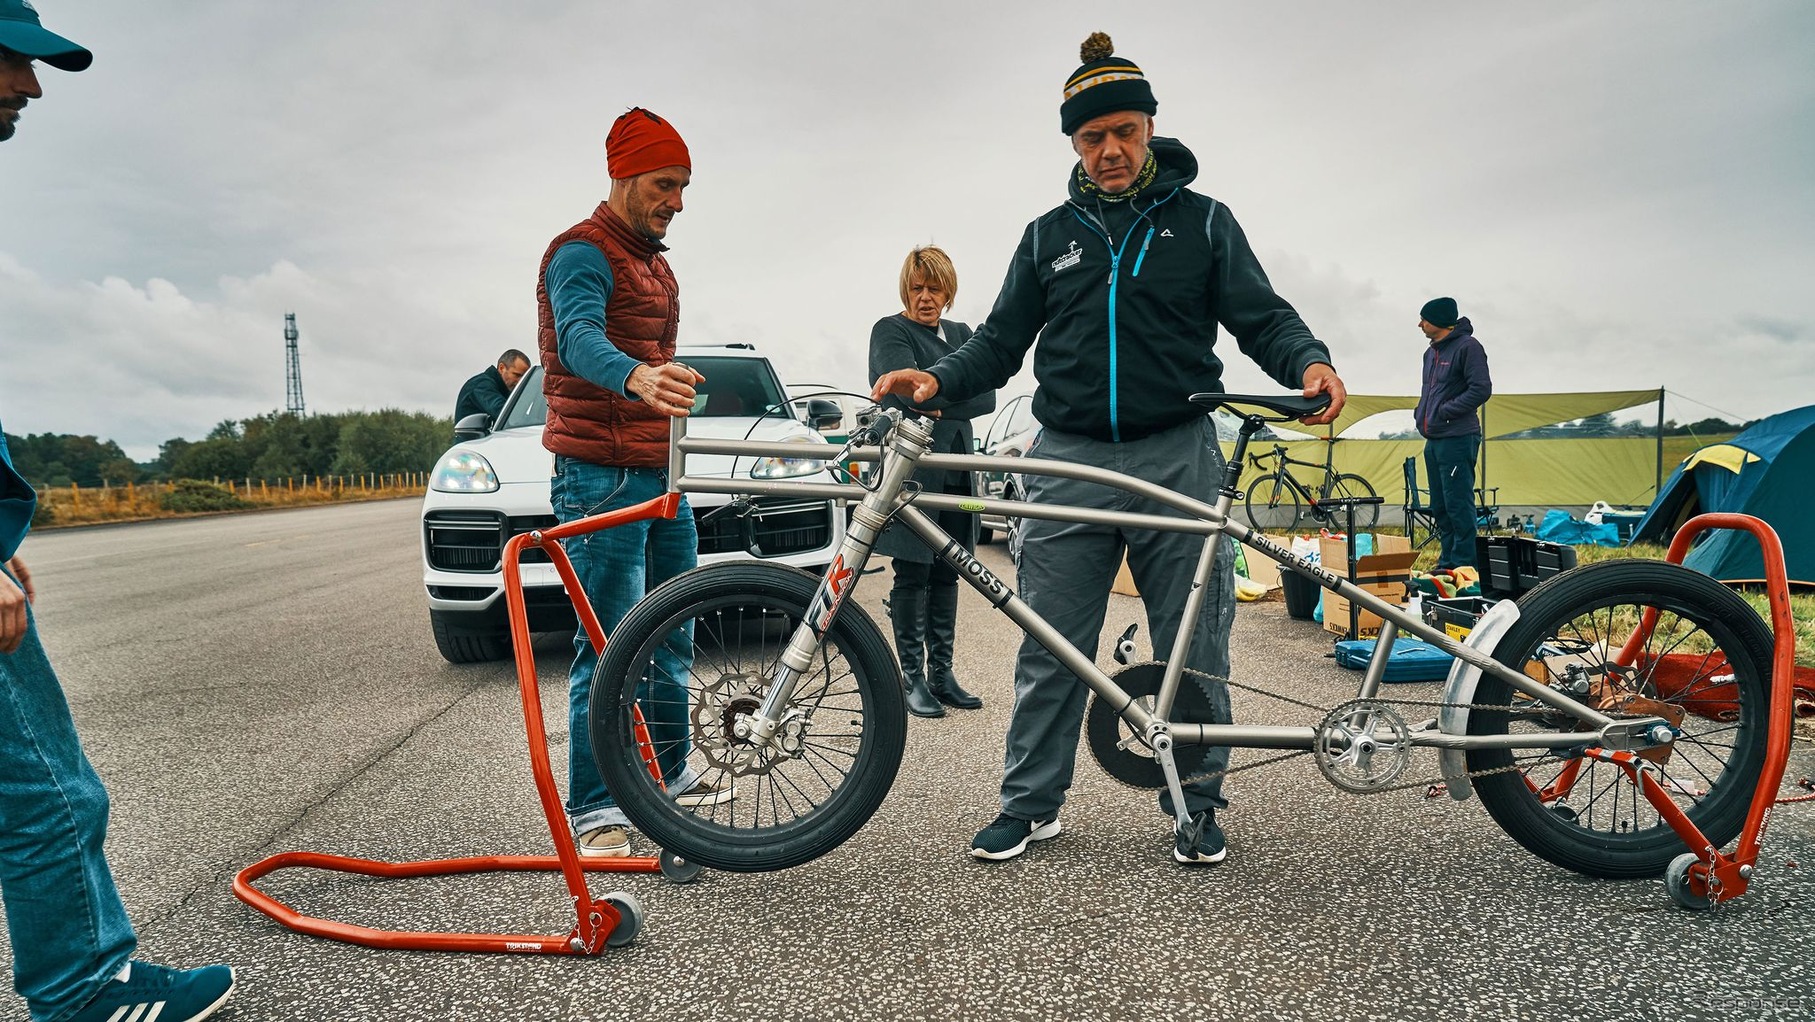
x=788, y=468
x=464, y=472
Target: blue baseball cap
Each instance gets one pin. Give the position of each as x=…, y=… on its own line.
x=22, y=33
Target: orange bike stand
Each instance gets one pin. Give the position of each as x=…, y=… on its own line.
x=610, y=921
x=1705, y=876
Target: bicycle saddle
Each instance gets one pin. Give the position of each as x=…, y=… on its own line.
x=1286, y=406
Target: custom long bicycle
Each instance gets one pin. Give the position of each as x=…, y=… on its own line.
x=1278, y=502
x=1610, y=715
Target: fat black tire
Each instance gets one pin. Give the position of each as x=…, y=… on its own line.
x=855, y=735
x=1604, y=827
x=1366, y=515
x=466, y=645
x=1286, y=516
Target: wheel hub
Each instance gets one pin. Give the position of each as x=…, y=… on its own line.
x=721, y=713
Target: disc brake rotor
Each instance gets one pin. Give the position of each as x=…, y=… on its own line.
x=715, y=711
x=1123, y=753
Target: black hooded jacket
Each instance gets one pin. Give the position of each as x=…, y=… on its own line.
x=1125, y=299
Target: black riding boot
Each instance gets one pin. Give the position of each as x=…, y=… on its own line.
x=907, y=607
x=941, y=633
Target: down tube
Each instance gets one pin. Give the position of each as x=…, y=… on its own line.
x=1001, y=597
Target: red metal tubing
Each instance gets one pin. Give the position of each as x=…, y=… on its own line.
x=1732, y=870
x=594, y=920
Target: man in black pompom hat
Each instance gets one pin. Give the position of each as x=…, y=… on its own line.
x=1124, y=286
x=1456, y=384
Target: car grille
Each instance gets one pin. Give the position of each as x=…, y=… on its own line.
x=474, y=540
x=771, y=528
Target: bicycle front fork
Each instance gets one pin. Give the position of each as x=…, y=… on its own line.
x=910, y=439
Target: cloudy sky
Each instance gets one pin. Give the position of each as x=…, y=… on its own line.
x=1619, y=194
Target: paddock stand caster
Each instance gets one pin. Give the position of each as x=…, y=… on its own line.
x=677, y=870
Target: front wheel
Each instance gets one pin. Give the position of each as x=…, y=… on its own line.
x=696, y=656
x=1273, y=505
x=1704, y=666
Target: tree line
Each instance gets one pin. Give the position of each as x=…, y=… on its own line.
x=276, y=445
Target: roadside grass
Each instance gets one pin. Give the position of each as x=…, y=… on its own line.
x=187, y=498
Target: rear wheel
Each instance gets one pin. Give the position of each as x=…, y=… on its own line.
x=1366, y=515
x=1273, y=505
x=697, y=656
x=1704, y=667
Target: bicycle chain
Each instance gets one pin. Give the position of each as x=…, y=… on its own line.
x=1204, y=680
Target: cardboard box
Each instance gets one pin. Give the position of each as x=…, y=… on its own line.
x=1383, y=573
x=1124, y=580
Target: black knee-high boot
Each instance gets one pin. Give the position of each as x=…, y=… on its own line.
x=941, y=634
x=907, y=607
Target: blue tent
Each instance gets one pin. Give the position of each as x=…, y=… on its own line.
x=1767, y=471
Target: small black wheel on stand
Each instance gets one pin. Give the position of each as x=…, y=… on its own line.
x=677, y=870
x=630, y=918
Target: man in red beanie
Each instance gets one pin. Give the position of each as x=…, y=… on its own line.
x=608, y=308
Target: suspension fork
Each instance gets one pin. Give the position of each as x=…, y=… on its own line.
x=910, y=439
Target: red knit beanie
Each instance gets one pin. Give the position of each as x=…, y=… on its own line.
x=641, y=142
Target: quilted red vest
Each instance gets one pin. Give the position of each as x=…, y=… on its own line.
x=586, y=421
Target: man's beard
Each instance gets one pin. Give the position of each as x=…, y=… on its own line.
x=8, y=125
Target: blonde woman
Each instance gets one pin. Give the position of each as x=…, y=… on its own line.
x=924, y=600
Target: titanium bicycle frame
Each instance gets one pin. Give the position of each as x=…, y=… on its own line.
x=907, y=439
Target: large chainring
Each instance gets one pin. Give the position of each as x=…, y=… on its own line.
x=1363, y=746
x=1123, y=753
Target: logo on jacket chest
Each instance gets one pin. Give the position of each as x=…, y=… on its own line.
x=1070, y=257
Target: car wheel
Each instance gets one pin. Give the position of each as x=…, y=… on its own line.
x=985, y=535
x=461, y=643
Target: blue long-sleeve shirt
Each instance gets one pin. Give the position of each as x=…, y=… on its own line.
x=579, y=286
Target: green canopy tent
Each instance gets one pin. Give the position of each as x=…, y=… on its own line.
x=1559, y=470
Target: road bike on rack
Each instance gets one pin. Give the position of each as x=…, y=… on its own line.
x=1278, y=502
x=1613, y=716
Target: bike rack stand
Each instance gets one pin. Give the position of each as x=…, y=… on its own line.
x=599, y=923
x=1705, y=876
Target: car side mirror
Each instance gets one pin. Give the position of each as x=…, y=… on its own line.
x=977, y=445
x=472, y=427
x=824, y=415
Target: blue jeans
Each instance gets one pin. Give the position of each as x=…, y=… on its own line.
x=1450, y=463
x=70, y=933
x=616, y=567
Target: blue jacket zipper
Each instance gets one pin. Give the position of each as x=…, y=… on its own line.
x=1115, y=265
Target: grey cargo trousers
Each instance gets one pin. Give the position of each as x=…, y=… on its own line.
x=1066, y=570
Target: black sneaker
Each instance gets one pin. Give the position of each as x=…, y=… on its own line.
x=1009, y=836
x=1201, y=843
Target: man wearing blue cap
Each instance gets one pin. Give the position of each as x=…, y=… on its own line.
x=1455, y=386
x=72, y=941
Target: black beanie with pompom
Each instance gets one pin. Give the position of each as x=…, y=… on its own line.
x=1103, y=84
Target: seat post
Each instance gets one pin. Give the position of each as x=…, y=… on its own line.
x=1232, y=472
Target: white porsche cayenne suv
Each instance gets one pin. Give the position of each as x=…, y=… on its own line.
x=492, y=486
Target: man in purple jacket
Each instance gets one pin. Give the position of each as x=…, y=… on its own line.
x=1456, y=384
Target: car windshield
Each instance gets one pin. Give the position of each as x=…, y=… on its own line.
x=734, y=386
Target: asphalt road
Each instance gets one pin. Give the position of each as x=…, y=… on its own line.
x=254, y=684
